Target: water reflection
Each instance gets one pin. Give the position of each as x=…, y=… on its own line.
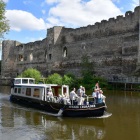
x=76, y=128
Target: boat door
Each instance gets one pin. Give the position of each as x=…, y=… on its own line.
x=46, y=90
x=65, y=89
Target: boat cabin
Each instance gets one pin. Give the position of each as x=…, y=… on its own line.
x=26, y=87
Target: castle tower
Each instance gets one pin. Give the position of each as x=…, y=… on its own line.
x=8, y=64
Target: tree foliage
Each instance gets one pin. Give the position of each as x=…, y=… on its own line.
x=89, y=79
x=67, y=80
x=31, y=73
x=58, y=79
x=54, y=79
x=4, y=26
x=87, y=71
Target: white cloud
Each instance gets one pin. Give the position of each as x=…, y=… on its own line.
x=43, y=11
x=79, y=13
x=20, y=20
x=118, y=1
x=135, y=3
x=6, y=1
x=51, y=1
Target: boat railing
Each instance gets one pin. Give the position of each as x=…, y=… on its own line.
x=55, y=98
x=89, y=99
x=52, y=99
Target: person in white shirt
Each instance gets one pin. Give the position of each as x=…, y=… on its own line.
x=81, y=95
x=80, y=91
x=98, y=96
x=50, y=95
x=94, y=95
x=66, y=99
x=101, y=96
x=73, y=96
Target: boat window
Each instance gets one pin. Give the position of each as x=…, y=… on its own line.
x=28, y=91
x=23, y=90
x=19, y=90
x=36, y=92
x=47, y=90
x=24, y=81
x=17, y=81
x=31, y=81
x=15, y=90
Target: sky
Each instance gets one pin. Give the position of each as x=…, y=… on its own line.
x=30, y=19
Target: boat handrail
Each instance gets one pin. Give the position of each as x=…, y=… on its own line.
x=89, y=97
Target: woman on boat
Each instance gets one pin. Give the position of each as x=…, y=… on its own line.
x=98, y=96
x=101, y=97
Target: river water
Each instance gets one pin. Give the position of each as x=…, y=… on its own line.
x=22, y=123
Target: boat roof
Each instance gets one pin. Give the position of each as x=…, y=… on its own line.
x=25, y=78
x=18, y=82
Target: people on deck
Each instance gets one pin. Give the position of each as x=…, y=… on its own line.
x=73, y=96
x=80, y=100
x=94, y=95
x=84, y=92
x=80, y=91
x=101, y=96
x=98, y=95
x=65, y=98
x=81, y=94
x=50, y=95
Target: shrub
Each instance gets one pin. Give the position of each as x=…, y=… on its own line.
x=54, y=79
x=31, y=73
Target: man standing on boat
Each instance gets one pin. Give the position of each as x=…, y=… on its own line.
x=50, y=95
x=94, y=93
x=73, y=96
x=80, y=91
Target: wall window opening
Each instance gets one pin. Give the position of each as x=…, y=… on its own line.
x=20, y=57
x=65, y=52
x=31, y=57
x=50, y=56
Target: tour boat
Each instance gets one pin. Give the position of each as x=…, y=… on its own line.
x=25, y=92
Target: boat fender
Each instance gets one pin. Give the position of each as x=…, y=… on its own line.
x=60, y=112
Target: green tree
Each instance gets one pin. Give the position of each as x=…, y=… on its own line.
x=54, y=79
x=4, y=25
x=31, y=73
x=67, y=80
x=102, y=82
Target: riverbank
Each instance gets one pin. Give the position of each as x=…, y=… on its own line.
x=111, y=86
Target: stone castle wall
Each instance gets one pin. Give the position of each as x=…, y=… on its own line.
x=112, y=46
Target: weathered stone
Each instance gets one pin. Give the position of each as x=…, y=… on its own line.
x=112, y=46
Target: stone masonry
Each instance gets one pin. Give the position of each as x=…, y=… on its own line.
x=112, y=46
